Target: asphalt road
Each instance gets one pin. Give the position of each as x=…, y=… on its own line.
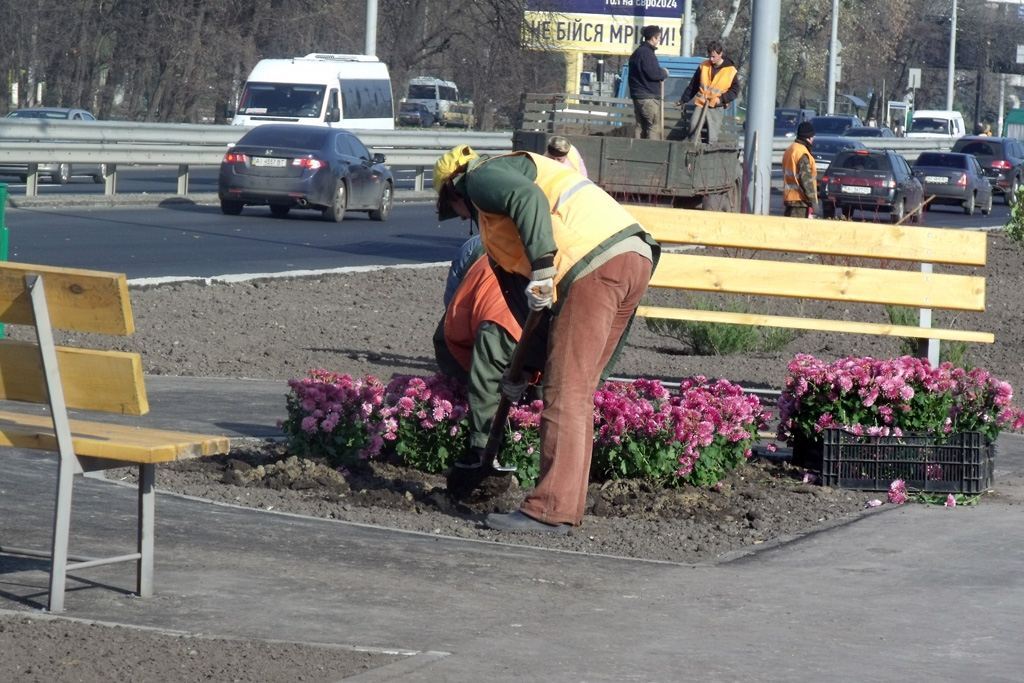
x=180, y=239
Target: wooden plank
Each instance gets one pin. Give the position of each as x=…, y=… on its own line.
x=798, y=235
x=814, y=324
x=111, y=441
x=80, y=300
x=109, y=381
x=814, y=281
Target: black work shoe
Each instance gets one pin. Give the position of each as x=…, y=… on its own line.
x=519, y=521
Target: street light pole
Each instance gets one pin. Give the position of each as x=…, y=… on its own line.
x=833, y=48
x=952, y=60
x=371, y=27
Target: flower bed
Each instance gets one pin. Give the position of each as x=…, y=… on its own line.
x=898, y=397
x=641, y=429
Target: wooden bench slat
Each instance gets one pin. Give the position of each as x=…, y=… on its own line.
x=108, y=381
x=818, y=324
x=80, y=300
x=815, y=281
x=111, y=441
x=798, y=235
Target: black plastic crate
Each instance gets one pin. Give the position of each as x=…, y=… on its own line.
x=964, y=463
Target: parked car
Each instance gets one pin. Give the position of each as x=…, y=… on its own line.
x=1001, y=158
x=834, y=125
x=459, y=115
x=415, y=114
x=786, y=121
x=290, y=166
x=60, y=174
x=825, y=148
x=869, y=132
x=954, y=178
x=879, y=181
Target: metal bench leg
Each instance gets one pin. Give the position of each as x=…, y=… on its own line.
x=147, y=513
x=61, y=532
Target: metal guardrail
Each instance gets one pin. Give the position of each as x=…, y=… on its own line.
x=184, y=145
x=115, y=143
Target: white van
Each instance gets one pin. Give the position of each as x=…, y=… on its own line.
x=437, y=95
x=346, y=91
x=937, y=124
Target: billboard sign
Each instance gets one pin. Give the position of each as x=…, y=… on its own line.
x=601, y=26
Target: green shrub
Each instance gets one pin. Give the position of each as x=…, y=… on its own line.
x=1014, y=227
x=721, y=339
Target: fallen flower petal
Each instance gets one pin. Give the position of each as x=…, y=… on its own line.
x=810, y=478
x=951, y=501
x=873, y=503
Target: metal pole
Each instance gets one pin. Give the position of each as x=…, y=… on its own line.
x=764, y=66
x=952, y=60
x=371, y=27
x=4, y=238
x=1002, y=104
x=833, y=48
x=686, y=49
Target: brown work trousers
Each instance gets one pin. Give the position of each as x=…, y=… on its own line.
x=582, y=338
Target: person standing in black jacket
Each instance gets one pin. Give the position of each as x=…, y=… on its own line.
x=646, y=77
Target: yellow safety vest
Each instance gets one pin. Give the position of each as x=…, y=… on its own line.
x=711, y=89
x=791, y=191
x=582, y=217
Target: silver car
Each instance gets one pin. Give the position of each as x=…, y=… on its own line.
x=60, y=174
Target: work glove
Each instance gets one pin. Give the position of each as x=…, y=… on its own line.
x=540, y=292
x=513, y=388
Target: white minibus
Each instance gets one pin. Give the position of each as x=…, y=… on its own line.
x=436, y=94
x=346, y=91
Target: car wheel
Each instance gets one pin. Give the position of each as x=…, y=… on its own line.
x=848, y=212
x=101, y=175
x=231, y=207
x=969, y=205
x=62, y=174
x=899, y=210
x=383, y=209
x=335, y=213
x=987, y=209
x=280, y=210
x=1010, y=196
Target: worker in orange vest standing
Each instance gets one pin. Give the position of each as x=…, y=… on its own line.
x=713, y=86
x=800, y=174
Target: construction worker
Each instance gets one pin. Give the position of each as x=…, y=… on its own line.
x=474, y=341
x=562, y=247
x=563, y=151
x=646, y=78
x=800, y=174
x=713, y=86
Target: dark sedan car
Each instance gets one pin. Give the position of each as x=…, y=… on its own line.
x=834, y=124
x=954, y=178
x=1002, y=159
x=415, y=114
x=305, y=167
x=879, y=181
x=869, y=132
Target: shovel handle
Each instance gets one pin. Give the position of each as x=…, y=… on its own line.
x=515, y=368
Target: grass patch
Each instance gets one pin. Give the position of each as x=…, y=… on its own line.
x=954, y=352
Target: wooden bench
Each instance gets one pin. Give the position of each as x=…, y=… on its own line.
x=893, y=275
x=64, y=378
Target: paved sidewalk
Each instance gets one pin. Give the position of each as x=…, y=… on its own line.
x=905, y=594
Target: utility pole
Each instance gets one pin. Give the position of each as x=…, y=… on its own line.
x=833, y=49
x=687, y=46
x=371, y=27
x=950, y=75
x=760, y=129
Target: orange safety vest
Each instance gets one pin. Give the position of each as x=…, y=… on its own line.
x=477, y=300
x=583, y=216
x=711, y=89
x=791, y=191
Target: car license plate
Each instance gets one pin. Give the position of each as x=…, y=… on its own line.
x=936, y=179
x=269, y=161
x=855, y=189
